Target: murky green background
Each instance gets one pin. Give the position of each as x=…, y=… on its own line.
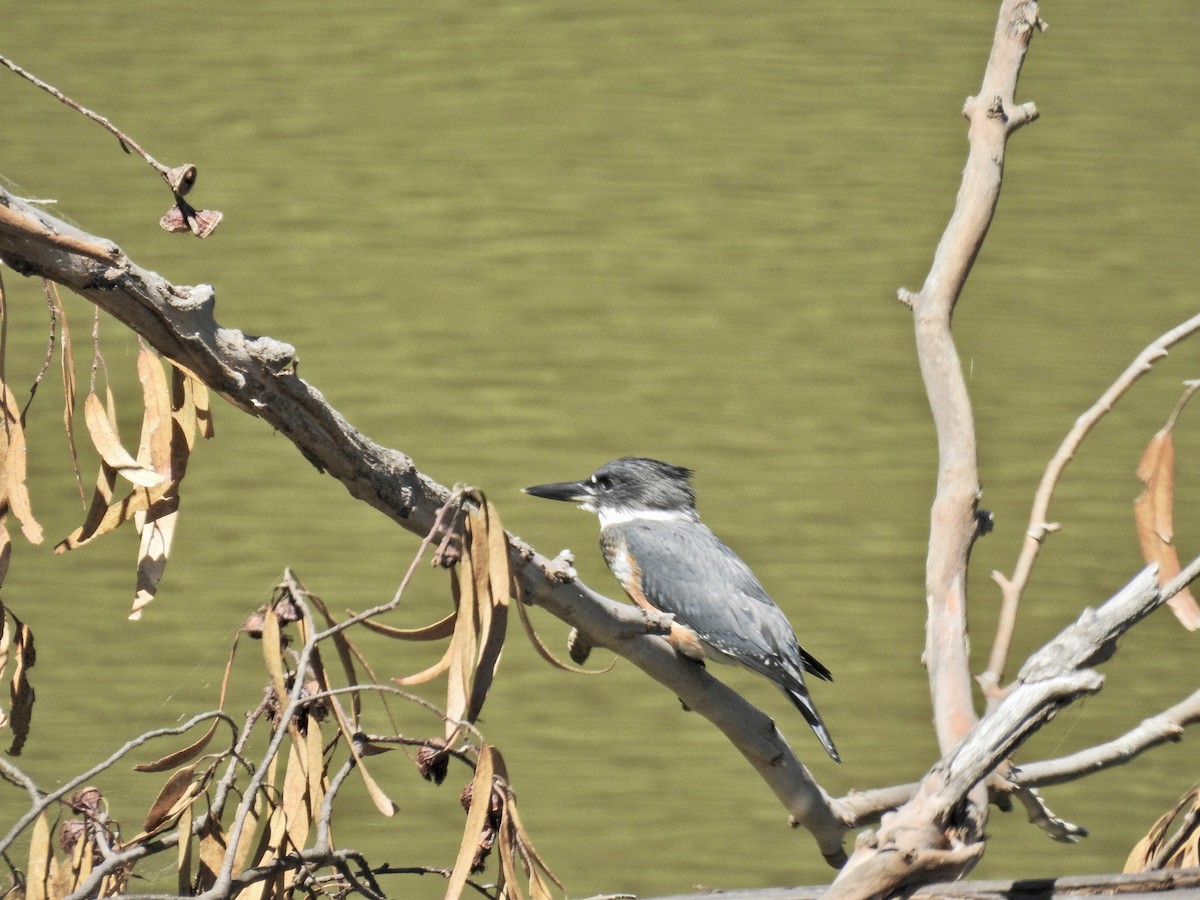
x=516, y=240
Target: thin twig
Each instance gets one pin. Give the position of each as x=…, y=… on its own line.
x=49, y=358
x=127, y=143
x=54, y=796
x=1189, y=388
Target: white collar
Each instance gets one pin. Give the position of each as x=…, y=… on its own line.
x=624, y=515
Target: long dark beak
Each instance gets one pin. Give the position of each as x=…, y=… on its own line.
x=571, y=491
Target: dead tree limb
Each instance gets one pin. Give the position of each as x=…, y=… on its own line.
x=932, y=835
x=257, y=375
x=993, y=115
x=926, y=844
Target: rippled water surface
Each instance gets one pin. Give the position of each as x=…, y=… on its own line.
x=516, y=240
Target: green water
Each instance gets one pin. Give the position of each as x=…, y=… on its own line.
x=516, y=240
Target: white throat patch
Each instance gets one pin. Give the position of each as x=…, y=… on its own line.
x=625, y=515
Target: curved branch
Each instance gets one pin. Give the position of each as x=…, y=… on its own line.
x=257, y=375
x=993, y=115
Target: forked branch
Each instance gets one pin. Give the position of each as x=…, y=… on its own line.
x=932, y=836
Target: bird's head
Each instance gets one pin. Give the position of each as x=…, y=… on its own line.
x=630, y=486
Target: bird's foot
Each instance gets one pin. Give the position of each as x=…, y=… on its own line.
x=657, y=622
x=578, y=646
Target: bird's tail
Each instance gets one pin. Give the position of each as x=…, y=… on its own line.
x=799, y=697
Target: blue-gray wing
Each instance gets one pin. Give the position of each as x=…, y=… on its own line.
x=687, y=571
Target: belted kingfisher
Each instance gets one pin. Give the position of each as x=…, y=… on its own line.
x=667, y=559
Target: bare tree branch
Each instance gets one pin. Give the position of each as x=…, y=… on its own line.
x=1168, y=725
x=933, y=834
x=1039, y=527
x=257, y=375
x=932, y=843
x=866, y=807
x=993, y=115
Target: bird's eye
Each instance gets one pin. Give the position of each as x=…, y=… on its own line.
x=603, y=482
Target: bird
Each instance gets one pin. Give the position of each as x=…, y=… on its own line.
x=666, y=559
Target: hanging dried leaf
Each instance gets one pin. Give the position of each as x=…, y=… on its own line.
x=461, y=653
x=545, y=653
x=67, y=365
x=1154, y=506
x=272, y=846
x=430, y=673
x=139, y=500
x=199, y=399
x=296, y=805
x=154, y=447
x=13, y=459
x=480, y=585
x=344, y=646
x=168, y=433
x=5, y=547
x=212, y=854
x=1153, y=513
x=183, y=411
x=534, y=864
x=272, y=644
x=477, y=818
x=260, y=809
x=508, y=883
x=6, y=632
x=41, y=859
x=440, y=629
x=20, y=691
x=265, y=852
x=382, y=802
x=106, y=482
x=154, y=452
x=183, y=859
x=179, y=790
x=314, y=763
x=1189, y=854
x=538, y=889
x=107, y=441
x=158, y=530
x=493, y=586
x=82, y=857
